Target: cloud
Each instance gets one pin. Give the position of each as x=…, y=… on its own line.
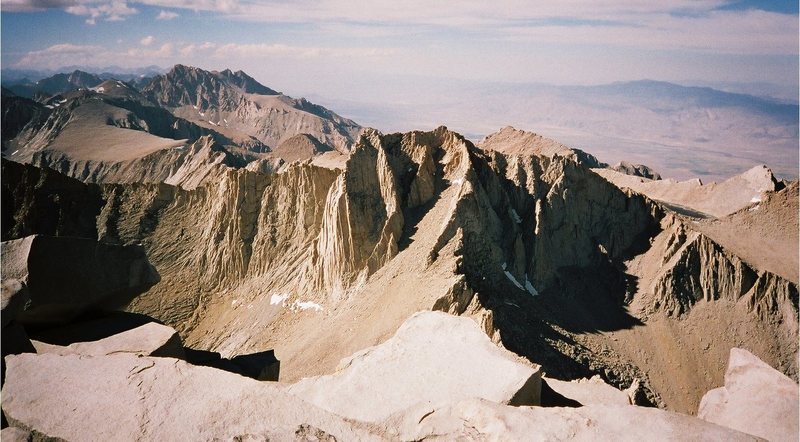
x=67, y=54
x=34, y=5
x=116, y=10
x=166, y=15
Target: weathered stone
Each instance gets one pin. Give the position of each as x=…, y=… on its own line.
x=587, y=391
x=14, y=297
x=151, y=339
x=476, y=419
x=434, y=358
x=14, y=434
x=756, y=399
x=68, y=276
x=127, y=397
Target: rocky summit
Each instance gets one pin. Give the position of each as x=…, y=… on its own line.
x=202, y=257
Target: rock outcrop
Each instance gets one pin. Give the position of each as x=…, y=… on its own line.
x=695, y=199
x=582, y=392
x=434, y=358
x=756, y=399
x=68, y=276
x=639, y=170
x=151, y=339
x=237, y=104
x=157, y=399
x=476, y=419
x=549, y=257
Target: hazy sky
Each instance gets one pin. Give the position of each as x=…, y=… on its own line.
x=341, y=48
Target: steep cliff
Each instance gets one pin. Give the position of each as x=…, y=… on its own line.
x=555, y=262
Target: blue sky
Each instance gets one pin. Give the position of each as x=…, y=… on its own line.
x=345, y=48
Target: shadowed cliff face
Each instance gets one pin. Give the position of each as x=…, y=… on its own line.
x=318, y=262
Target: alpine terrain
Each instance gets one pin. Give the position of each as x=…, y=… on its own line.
x=212, y=259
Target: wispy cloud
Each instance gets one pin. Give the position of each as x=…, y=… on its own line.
x=166, y=15
x=34, y=5
x=109, y=11
x=67, y=54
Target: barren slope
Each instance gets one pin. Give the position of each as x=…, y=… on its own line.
x=556, y=263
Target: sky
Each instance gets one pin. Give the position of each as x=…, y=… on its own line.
x=385, y=50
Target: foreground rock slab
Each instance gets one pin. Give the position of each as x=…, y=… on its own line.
x=151, y=339
x=476, y=419
x=756, y=399
x=433, y=358
x=126, y=397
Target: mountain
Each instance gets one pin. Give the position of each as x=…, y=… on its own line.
x=237, y=105
x=554, y=261
x=683, y=132
x=132, y=140
x=155, y=136
x=57, y=84
x=167, y=206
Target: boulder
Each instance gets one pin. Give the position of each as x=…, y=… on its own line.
x=585, y=392
x=756, y=399
x=129, y=397
x=14, y=297
x=68, y=276
x=14, y=434
x=434, y=358
x=151, y=339
x=479, y=419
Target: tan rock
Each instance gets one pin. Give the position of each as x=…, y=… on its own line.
x=756, y=399
x=588, y=391
x=67, y=276
x=151, y=339
x=476, y=419
x=127, y=397
x=14, y=297
x=14, y=434
x=434, y=358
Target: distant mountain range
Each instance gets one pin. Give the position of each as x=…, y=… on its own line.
x=182, y=127
x=681, y=131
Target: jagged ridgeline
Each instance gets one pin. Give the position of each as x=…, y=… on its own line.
x=185, y=127
x=320, y=260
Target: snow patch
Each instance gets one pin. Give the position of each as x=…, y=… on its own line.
x=99, y=89
x=278, y=298
x=202, y=114
x=529, y=287
x=458, y=181
x=48, y=106
x=515, y=216
x=234, y=302
x=15, y=152
x=305, y=305
x=754, y=208
x=503, y=265
x=756, y=199
x=513, y=279
x=194, y=107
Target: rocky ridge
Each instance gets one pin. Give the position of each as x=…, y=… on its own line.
x=164, y=397
x=533, y=247
x=113, y=133
x=235, y=102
